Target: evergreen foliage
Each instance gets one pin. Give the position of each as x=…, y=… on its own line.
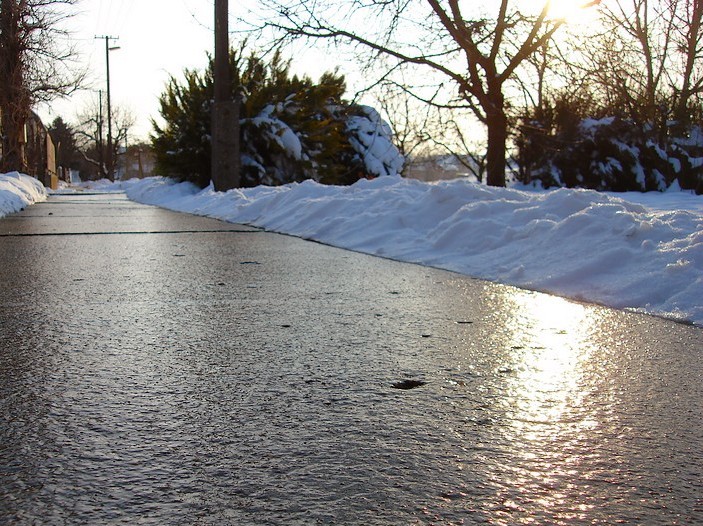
x=291, y=127
x=182, y=146
x=63, y=136
x=569, y=143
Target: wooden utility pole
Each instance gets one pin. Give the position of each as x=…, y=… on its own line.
x=225, y=110
x=110, y=165
x=99, y=142
x=109, y=161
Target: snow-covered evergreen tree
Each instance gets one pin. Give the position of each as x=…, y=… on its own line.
x=292, y=128
x=609, y=153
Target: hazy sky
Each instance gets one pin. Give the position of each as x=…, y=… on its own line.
x=157, y=38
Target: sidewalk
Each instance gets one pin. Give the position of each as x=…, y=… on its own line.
x=95, y=213
x=160, y=368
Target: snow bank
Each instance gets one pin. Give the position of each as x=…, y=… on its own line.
x=17, y=191
x=576, y=243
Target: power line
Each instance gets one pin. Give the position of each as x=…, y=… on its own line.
x=195, y=18
x=124, y=14
x=98, y=19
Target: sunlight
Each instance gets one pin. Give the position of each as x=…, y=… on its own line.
x=573, y=12
x=546, y=402
x=548, y=357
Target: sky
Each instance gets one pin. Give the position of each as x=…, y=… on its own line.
x=160, y=38
x=156, y=39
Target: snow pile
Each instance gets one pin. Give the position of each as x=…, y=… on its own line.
x=17, y=191
x=576, y=243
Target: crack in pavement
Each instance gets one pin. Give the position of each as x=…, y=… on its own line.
x=136, y=232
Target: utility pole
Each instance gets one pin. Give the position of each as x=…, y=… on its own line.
x=225, y=111
x=110, y=164
x=99, y=142
x=125, y=157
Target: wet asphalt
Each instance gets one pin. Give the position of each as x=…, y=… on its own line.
x=162, y=368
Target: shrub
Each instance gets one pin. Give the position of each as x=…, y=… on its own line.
x=609, y=153
x=291, y=128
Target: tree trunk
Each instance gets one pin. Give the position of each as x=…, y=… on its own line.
x=690, y=46
x=497, y=124
x=14, y=156
x=14, y=100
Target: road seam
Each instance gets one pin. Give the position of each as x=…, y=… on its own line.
x=123, y=233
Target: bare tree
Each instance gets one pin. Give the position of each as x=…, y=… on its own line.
x=33, y=67
x=636, y=52
x=91, y=140
x=648, y=61
x=474, y=56
x=687, y=16
x=424, y=131
x=409, y=119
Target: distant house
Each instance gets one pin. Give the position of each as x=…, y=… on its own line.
x=138, y=161
x=41, y=152
x=37, y=151
x=438, y=168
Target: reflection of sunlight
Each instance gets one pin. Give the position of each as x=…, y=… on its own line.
x=546, y=379
x=549, y=343
x=548, y=352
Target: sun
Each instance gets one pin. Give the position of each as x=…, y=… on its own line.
x=573, y=11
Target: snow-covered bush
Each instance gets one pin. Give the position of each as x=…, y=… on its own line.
x=611, y=153
x=292, y=128
x=17, y=191
x=372, y=139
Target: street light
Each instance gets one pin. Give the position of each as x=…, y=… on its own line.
x=109, y=160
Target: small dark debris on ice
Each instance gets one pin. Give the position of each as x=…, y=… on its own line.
x=408, y=384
